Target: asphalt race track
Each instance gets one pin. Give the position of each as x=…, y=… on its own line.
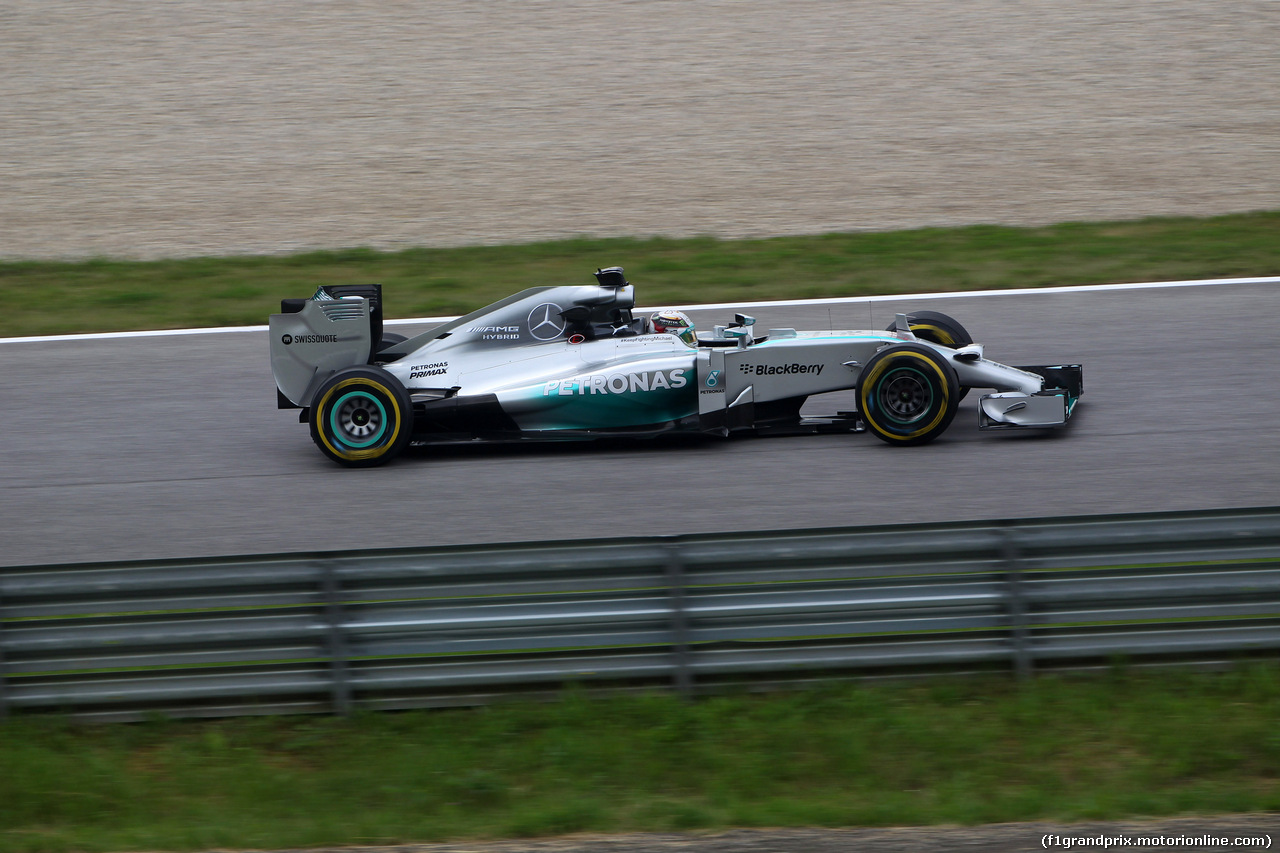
x=172, y=446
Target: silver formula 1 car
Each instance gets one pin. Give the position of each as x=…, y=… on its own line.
x=571, y=362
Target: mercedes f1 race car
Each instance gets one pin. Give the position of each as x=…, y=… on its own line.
x=571, y=362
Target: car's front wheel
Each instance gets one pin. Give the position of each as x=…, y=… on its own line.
x=937, y=327
x=940, y=329
x=907, y=394
x=361, y=416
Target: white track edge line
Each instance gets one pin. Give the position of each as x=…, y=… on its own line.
x=835, y=300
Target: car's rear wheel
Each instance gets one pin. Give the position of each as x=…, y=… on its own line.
x=907, y=394
x=390, y=339
x=362, y=416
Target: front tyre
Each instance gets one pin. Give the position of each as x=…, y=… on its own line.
x=907, y=394
x=937, y=327
x=361, y=417
x=940, y=329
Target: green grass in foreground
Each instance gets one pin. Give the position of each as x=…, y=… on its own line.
x=954, y=751
x=114, y=295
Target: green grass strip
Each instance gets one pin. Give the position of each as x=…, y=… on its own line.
x=967, y=751
x=117, y=295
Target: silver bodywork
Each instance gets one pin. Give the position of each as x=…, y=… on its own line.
x=567, y=362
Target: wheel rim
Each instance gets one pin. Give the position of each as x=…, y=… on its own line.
x=905, y=395
x=358, y=419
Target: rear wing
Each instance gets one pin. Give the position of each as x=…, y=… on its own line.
x=311, y=338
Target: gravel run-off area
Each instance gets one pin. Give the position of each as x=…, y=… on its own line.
x=214, y=127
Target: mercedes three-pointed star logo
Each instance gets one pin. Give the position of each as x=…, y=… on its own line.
x=545, y=322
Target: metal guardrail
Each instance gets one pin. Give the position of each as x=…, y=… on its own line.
x=441, y=626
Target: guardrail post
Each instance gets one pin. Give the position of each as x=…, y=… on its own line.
x=1016, y=602
x=682, y=677
x=339, y=677
x=4, y=702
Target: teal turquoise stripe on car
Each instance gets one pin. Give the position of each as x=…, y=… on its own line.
x=605, y=400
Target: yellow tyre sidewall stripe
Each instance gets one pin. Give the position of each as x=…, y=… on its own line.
x=880, y=368
x=944, y=337
x=372, y=452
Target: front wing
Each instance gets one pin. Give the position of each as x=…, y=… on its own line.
x=1048, y=408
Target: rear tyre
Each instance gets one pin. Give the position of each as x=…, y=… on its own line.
x=390, y=339
x=939, y=328
x=907, y=394
x=361, y=417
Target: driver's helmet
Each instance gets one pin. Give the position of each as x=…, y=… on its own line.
x=675, y=323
